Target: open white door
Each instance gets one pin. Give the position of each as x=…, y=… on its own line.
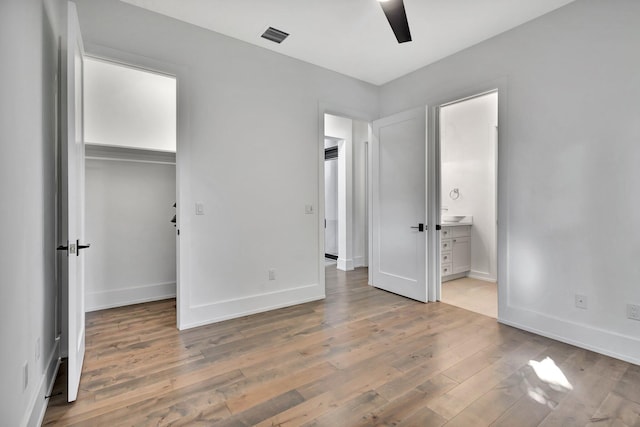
x=398, y=217
x=72, y=202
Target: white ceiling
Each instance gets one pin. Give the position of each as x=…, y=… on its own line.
x=353, y=37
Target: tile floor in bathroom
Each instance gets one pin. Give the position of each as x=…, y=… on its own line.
x=472, y=294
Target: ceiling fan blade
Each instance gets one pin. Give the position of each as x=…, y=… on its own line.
x=397, y=17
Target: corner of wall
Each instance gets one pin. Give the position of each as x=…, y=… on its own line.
x=204, y=314
x=602, y=341
x=38, y=402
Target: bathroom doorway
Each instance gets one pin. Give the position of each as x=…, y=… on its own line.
x=467, y=142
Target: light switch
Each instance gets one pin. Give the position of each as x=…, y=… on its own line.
x=199, y=208
x=308, y=209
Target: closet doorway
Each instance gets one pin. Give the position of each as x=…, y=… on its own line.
x=130, y=138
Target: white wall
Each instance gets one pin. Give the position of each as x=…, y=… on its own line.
x=28, y=43
x=249, y=122
x=133, y=247
x=128, y=107
x=568, y=166
x=468, y=163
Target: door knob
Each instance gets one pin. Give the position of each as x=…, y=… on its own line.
x=420, y=227
x=79, y=246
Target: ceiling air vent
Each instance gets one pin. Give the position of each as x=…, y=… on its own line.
x=275, y=35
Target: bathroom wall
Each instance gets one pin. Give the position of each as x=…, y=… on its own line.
x=468, y=156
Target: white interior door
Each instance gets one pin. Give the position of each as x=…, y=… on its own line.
x=398, y=217
x=72, y=203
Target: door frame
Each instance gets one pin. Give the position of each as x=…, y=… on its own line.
x=178, y=72
x=433, y=126
x=334, y=151
x=336, y=110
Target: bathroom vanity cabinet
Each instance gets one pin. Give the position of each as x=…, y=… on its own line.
x=455, y=251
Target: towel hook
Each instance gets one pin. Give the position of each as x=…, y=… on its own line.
x=454, y=194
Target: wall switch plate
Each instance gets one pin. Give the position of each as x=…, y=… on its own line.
x=308, y=209
x=633, y=311
x=199, y=208
x=581, y=301
x=272, y=274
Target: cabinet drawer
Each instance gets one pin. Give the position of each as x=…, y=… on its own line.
x=445, y=245
x=461, y=231
x=445, y=257
x=445, y=269
x=445, y=233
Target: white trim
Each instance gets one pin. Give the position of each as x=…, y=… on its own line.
x=204, y=314
x=345, y=264
x=127, y=296
x=450, y=277
x=38, y=404
x=482, y=275
x=619, y=346
x=183, y=159
x=359, y=261
x=128, y=154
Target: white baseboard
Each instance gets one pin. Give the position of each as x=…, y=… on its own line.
x=127, y=296
x=345, y=264
x=358, y=262
x=38, y=404
x=609, y=343
x=454, y=276
x=204, y=314
x=481, y=275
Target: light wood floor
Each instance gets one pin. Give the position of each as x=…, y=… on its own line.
x=361, y=357
x=476, y=295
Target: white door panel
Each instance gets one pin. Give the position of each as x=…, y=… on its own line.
x=72, y=202
x=399, y=191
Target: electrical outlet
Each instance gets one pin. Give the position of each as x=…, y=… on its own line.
x=633, y=312
x=272, y=274
x=25, y=375
x=308, y=209
x=581, y=301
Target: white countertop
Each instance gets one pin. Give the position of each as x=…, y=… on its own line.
x=455, y=224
